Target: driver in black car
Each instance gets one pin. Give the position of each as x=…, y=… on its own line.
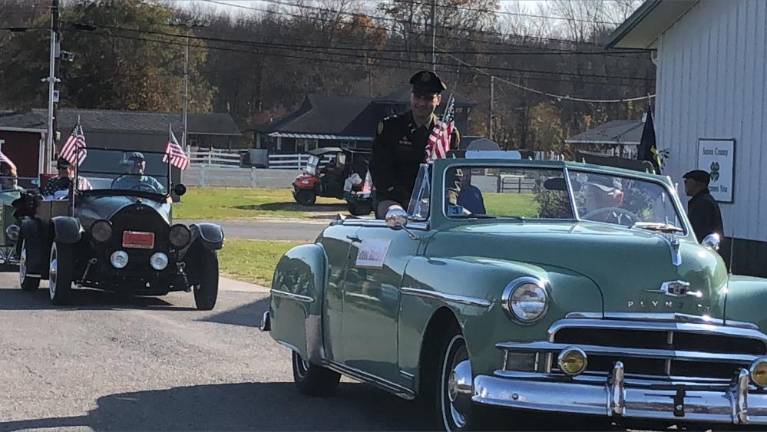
x=135, y=178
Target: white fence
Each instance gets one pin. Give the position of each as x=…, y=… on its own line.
x=225, y=158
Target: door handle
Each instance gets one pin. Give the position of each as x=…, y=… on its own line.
x=354, y=238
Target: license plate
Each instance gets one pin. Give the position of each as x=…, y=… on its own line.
x=138, y=239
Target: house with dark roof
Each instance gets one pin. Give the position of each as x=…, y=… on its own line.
x=23, y=141
x=333, y=121
x=618, y=138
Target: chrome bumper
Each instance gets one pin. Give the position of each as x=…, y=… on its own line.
x=617, y=396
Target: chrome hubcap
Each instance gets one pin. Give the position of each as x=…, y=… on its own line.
x=456, y=388
x=53, y=272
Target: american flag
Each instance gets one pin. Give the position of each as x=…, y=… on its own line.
x=439, y=140
x=178, y=158
x=74, y=150
x=6, y=159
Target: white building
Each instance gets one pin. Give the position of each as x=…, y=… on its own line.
x=711, y=107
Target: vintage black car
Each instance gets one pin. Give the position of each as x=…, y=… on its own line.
x=113, y=231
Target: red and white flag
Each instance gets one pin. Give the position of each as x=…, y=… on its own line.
x=6, y=159
x=74, y=149
x=439, y=140
x=175, y=153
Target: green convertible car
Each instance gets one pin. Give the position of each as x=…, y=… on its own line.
x=530, y=286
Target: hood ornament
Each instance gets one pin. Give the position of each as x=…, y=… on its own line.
x=677, y=289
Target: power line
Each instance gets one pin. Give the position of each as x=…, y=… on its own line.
x=551, y=95
x=358, y=56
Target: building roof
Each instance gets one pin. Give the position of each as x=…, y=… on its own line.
x=141, y=121
x=401, y=96
x=611, y=133
x=642, y=29
x=23, y=121
x=321, y=115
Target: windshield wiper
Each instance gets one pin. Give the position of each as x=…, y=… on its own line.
x=657, y=226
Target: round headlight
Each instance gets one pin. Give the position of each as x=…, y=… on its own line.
x=758, y=371
x=12, y=232
x=525, y=299
x=119, y=259
x=572, y=361
x=158, y=261
x=101, y=231
x=179, y=236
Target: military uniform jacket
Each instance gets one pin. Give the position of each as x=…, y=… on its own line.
x=705, y=217
x=398, y=151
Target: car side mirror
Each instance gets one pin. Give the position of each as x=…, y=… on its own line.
x=396, y=217
x=179, y=189
x=712, y=241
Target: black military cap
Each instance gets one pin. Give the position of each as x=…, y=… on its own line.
x=62, y=163
x=427, y=82
x=699, y=176
x=136, y=156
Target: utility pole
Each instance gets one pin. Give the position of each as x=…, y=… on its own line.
x=434, y=35
x=48, y=150
x=187, y=24
x=492, y=104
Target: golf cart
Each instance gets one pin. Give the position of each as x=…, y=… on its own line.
x=345, y=177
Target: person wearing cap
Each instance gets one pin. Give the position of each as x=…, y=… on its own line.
x=63, y=181
x=135, y=179
x=9, y=178
x=400, y=143
x=702, y=209
x=603, y=197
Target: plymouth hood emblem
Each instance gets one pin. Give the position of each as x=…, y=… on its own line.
x=677, y=289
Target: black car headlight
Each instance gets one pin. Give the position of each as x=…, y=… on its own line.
x=179, y=236
x=101, y=231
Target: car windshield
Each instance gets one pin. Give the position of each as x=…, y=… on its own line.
x=120, y=170
x=540, y=193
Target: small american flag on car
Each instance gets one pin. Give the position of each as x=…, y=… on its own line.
x=74, y=150
x=439, y=140
x=175, y=153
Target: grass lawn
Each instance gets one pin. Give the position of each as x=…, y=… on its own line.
x=252, y=260
x=239, y=203
x=511, y=204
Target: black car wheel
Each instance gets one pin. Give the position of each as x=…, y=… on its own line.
x=60, y=273
x=362, y=208
x=305, y=197
x=313, y=380
x=454, y=407
x=206, y=291
x=27, y=282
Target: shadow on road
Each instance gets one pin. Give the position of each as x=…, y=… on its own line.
x=17, y=299
x=293, y=206
x=245, y=406
x=248, y=315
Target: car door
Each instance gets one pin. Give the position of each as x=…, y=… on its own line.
x=371, y=298
x=337, y=241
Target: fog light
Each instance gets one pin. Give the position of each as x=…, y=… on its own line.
x=572, y=361
x=119, y=259
x=523, y=362
x=101, y=231
x=758, y=371
x=179, y=236
x=158, y=261
x=12, y=232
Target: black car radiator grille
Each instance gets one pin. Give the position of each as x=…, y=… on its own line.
x=714, y=340
x=139, y=218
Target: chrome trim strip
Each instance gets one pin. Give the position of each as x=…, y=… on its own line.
x=655, y=382
x=32, y=275
x=365, y=377
x=629, y=352
x=450, y=298
x=406, y=374
x=706, y=329
x=292, y=296
x=668, y=317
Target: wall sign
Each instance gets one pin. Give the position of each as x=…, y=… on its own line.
x=717, y=157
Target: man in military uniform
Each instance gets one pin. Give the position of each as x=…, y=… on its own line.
x=400, y=144
x=702, y=209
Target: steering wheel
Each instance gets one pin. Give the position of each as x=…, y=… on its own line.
x=139, y=186
x=615, y=213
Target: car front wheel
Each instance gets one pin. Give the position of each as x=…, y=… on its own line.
x=313, y=380
x=27, y=282
x=206, y=291
x=60, y=273
x=455, y=410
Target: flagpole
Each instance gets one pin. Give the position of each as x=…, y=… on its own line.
x=78, y=129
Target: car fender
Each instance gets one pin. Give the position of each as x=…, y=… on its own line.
x=209, y=234
x=745, y=299
x=473, y=292
x=296, y=300
x=33, y=238
x=66, y=229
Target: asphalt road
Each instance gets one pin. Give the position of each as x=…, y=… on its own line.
x=260, y=229
x=159, y=364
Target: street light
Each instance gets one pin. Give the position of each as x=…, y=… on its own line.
x=188, y=24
